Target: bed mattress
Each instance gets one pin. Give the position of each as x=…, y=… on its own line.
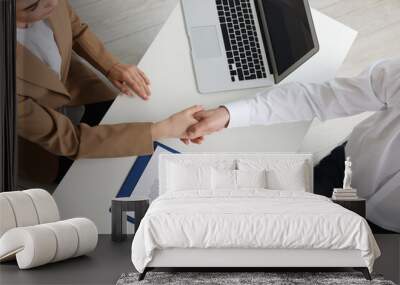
x=250, y=219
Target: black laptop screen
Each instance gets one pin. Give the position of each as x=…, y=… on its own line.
x=289, y=30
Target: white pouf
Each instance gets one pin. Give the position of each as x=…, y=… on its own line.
x=7, y=216
x=41, y=244
x=46, y=207
x=23, y=208
x=31, y=233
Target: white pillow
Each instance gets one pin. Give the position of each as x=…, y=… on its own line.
x=251, y=178
x=281, y=174
x=223, y=179
x=182, y=177
x=236, y=179
x=292, y=179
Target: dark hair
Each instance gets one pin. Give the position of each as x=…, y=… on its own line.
x=8, y=147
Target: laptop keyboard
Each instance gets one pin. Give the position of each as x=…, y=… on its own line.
x=242, y=45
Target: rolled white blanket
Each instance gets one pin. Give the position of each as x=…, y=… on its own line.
x=40, y=244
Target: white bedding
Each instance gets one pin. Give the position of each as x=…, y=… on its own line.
x=251, y=218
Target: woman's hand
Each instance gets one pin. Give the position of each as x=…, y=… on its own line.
x=177, y=125
x=209, y=122
x=130, y=80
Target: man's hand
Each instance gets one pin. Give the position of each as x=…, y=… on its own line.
x=210, y=121
x=177, y=125
x=130, y=80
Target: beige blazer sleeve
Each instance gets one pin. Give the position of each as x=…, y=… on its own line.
x=55, y=133
x=87, y=45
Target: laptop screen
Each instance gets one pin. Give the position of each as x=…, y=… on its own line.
x=291, y=33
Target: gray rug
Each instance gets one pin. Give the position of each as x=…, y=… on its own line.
x=238, y=278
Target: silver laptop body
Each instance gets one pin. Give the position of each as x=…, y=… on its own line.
x=221, y=64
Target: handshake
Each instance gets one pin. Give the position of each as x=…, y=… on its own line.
x=191, y=125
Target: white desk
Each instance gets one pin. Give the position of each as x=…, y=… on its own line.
x=89, y=186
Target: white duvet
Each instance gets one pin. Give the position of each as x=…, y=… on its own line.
x=250, y=219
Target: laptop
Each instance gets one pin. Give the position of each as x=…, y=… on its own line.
x=238, y=44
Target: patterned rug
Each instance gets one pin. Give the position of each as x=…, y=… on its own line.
x=253, y=278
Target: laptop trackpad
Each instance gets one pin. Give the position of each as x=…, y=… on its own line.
x=205, y=42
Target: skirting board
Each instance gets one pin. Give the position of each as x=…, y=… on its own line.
x=177, y=257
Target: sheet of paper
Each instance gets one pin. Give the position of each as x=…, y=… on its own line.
x=147, y=186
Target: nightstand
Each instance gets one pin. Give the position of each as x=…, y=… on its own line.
x=119, y=207
x=357, y=205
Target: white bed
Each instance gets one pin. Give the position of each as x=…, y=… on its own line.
x=197, y=224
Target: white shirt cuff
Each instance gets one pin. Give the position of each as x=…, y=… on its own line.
x=239, y=113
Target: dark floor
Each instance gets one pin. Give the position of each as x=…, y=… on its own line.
x=106, y=264
x=103, y=266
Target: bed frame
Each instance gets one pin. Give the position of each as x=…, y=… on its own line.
x=236, y=259
x=256, y=259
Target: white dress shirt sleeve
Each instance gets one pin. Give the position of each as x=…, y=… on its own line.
x=373, y=90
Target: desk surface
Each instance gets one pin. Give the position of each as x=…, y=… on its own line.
x=103, y=266
x=90, y=185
